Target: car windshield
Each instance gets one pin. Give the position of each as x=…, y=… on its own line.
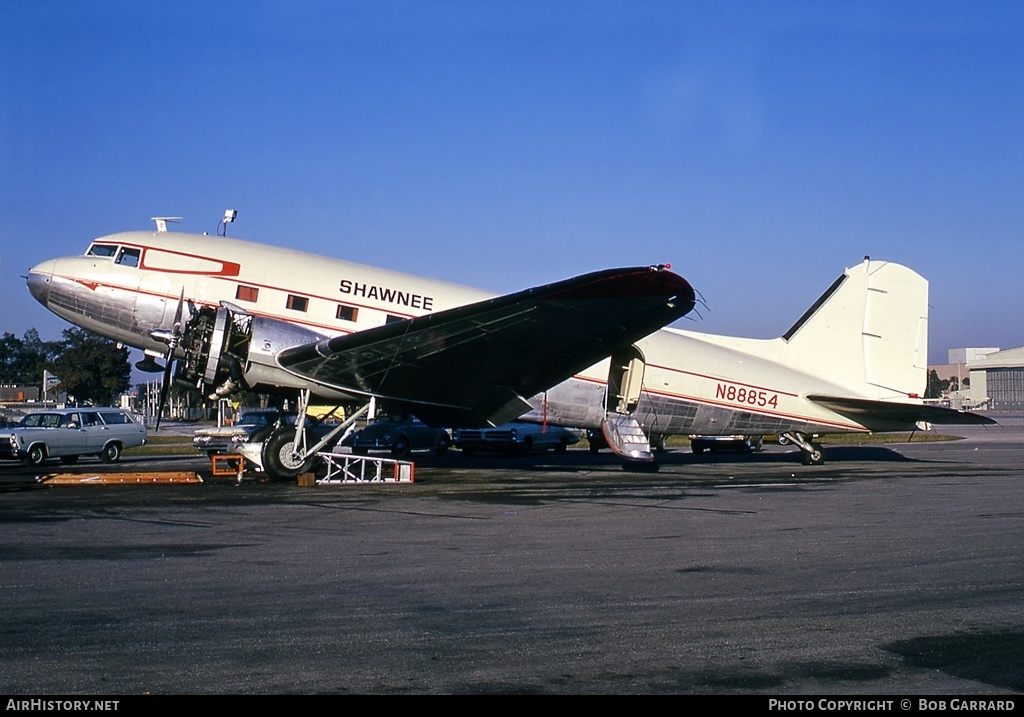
x=253, y=419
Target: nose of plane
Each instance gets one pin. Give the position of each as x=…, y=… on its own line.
x=39, y=277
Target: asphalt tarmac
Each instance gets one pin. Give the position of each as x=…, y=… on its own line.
x=890, y=570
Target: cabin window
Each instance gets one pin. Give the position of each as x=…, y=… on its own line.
x=247, y=293
x=104, y=250
x=347, y=313
x=392, y=319
x=128, y=257
x=297, y=303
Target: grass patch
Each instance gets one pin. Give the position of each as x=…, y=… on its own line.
x=861, y=439
x=164, y=446
x=847, y=439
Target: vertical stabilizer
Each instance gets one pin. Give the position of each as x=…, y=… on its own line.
x=868, y=331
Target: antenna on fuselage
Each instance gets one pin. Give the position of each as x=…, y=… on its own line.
x=229, y=217
x=161, y=222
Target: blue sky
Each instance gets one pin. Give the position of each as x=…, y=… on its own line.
x=760, y=148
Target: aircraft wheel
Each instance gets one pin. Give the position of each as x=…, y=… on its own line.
x=280, y=460
x=814, y=457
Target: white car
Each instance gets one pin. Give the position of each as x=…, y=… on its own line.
x=739, y=444
x=72, y=432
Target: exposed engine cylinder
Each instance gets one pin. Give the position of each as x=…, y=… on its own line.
x=225, y=350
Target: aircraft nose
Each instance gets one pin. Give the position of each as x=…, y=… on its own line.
x=39, y=277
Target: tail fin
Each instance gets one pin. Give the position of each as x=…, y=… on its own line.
x=870, y=327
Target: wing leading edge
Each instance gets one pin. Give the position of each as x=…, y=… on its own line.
x=477, y=364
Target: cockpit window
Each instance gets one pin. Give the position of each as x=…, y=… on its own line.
x=104, y=250
x=128, y=257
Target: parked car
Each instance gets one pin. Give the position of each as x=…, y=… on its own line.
x=515, y=437
x=251, y=426
x=400, y=437
x=72, y=432
x=738, y=444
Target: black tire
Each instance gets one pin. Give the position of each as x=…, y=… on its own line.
x=442, y=445
x=401, y=448
x=279, y=459
x=69, y=460
x=36, y=455
x=111, y=453
x=563, y=446
x=814, y=457
x=697, y=448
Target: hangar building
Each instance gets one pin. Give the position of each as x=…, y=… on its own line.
x=999, y=377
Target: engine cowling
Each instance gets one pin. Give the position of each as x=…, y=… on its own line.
x=226, y=349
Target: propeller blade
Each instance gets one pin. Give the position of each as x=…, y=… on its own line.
x=163, y=391
x=172, y=343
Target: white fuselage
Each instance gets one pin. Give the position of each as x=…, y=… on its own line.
x=678, y=382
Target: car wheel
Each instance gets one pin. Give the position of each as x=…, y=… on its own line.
x=111, y=453
x=401, y=449
x=442, y=446
x=69, y=460
x=36, y=455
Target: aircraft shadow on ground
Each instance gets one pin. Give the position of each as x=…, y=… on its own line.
x=992, y=658
x=605, y=459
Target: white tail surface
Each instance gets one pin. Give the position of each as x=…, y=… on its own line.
x=870, y=327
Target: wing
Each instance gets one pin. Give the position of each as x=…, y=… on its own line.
x=477, y=364
x=880, y=415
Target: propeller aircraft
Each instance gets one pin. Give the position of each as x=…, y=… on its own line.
x=590, y=351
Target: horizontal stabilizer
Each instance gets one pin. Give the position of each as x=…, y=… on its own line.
x=868, y=412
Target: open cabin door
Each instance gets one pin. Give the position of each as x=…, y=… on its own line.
x=620, y=427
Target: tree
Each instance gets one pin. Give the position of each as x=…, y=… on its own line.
x=22, y=360
x=936, y=386
x=91, y=368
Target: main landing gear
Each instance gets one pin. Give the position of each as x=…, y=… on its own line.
x=812, y=454
x=291, y=451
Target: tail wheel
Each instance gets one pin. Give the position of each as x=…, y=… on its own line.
x=815, y=456
x=280, y=459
